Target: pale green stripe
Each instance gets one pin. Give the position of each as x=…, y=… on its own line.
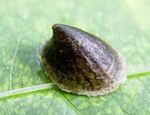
x=25, y=90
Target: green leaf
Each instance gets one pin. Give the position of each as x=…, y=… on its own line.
x=25, y=25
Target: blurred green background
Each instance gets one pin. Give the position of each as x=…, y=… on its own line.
x=25, y=25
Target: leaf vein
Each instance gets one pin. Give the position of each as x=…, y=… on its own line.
x=13, y=62
x=67, y=100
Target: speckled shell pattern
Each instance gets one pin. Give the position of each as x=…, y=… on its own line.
x=82, y=63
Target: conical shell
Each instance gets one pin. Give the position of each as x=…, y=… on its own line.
x=82, y=63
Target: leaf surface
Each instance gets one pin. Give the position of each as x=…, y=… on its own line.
x=26, y=25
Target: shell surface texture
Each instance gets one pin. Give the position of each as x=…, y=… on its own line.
x=79, y=62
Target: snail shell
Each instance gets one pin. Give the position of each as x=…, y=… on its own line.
x=82, y=63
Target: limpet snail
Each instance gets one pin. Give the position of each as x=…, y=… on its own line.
x=82, y=63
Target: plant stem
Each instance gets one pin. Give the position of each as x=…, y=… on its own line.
x=25, y=90
x=135, y=75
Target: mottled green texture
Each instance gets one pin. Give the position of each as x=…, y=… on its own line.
x=26, y=24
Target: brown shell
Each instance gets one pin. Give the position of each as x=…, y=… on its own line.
x=82, y=63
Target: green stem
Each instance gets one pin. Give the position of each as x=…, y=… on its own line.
x=135, y=75
x=25, y=90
